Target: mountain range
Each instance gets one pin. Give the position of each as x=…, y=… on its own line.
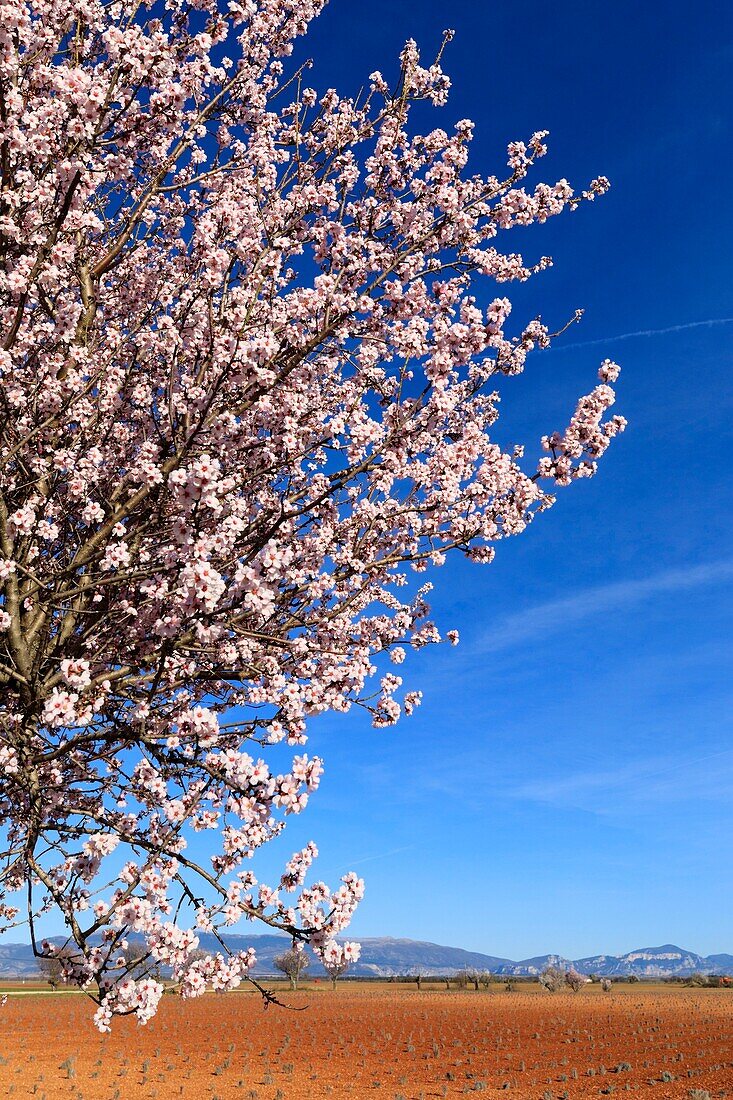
x=384, y=957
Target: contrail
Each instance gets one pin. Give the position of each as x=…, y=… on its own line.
x=644, y=332
x=382, y=855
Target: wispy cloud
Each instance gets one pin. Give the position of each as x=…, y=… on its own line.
x=712, y=323
x=605, y=791
x=533, y=621
x=380, y=855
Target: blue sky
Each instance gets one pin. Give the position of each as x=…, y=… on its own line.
x=566, y=784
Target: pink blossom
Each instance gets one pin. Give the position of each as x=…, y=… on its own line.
x=76, y=672
x=609, y=371
x=59, y=709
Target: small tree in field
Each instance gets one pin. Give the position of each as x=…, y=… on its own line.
x=474, y=977
x=293, y=964
x=606, y=985
x=338, y=958
x=552, y=979
x=51, y=970
x=250, y=362
x=57, y=966
x=574, y=980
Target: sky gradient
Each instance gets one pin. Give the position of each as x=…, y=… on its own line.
x=566, y=784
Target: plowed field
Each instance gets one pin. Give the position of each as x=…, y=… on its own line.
x=386, y=1041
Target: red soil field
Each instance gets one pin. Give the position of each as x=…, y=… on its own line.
x=366, y=1041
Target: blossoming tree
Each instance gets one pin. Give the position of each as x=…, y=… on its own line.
x=246, y=392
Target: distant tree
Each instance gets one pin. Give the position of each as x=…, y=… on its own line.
x=336, y=971
x=293, y=964
x=51, y=967
x=338, y=958
x=606, y=985
x=632, y=978
x=552, y=979
x=139, y=963
x=468, y=976
x=195, y=957
x=574, y=980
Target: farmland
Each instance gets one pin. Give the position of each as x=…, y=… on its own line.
x=377, y=1040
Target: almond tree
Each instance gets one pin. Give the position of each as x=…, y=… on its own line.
x=293, y=964
x=51, y=969
x=574, y=980
x=338, y=958
x=552, y=979
x=247, y=391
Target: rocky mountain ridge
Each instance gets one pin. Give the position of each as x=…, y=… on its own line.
x=384, y=957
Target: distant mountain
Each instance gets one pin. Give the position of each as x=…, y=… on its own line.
x=16, y=960
x=653, y=962
x=722, y=963
x=384, y=957
x=534, y=966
